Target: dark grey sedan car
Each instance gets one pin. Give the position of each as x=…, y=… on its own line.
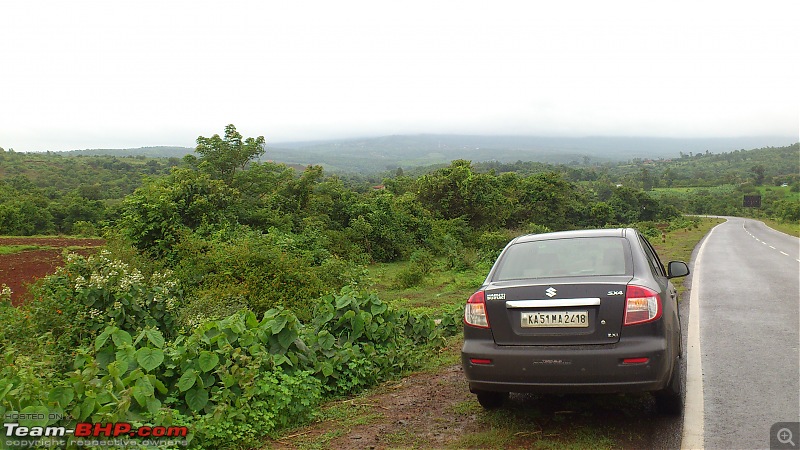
x=589, y=311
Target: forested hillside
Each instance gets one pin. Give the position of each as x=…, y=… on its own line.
x=78, y=193
x=389, y=152
x=49, y=193
x=702, y=183
x=378, y=154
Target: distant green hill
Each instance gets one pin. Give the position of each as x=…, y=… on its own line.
x=377, y=154
x=775, y=165
x=151, y=152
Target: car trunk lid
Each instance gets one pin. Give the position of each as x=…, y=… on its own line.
x=576, y=311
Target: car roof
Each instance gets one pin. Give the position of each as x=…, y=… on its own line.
x=591, y=233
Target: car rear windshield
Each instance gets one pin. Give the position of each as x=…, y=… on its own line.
x=564, y=258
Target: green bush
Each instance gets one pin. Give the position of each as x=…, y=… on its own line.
x=787, y=210
x=87, y=293
x=491, y=243
x=261, y=271
x=419, y=267
x=13, y=323
x=156, y=216
x=535, y=228
x=84, y=228
x=408, y=277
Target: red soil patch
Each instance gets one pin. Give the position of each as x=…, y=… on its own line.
x=17, y=270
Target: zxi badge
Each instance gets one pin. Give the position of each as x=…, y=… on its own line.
x=551, y=292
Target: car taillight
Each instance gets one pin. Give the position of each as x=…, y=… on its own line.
x=475, y=311
x=642, y=305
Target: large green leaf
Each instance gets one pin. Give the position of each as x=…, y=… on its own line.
x=153, y=405
x=326, y=368
x=158, y=384
x=343, y=301
x=278, y=323
x=146, y=386
x=358, y=326
x=139, y=395
x=149, y=358
x=155, y=337
x=378, y=308
x=250, y=319
x=207, y=361
x=61, y=395
x=326, y=340
x=187, y=380
x=101, y=339
x=121, y=337
x=286, y=337
x=125, y=357
x=196, y=398
x=87, y=408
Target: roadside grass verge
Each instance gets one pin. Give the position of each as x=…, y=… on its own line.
x=792, y=229
x=679, y=244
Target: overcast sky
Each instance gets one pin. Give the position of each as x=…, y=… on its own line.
x=108, y=74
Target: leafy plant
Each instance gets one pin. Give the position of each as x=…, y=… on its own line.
x=88, y=293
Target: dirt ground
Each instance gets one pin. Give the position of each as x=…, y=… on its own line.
x=17, y=270
x=397, y=416
x=435, y=410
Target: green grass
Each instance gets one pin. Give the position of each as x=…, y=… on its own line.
x=792, y=229
x=784, y=192
x=344, y=413
x=679, y=244
x=546, y=422
x=721, y=189
x=11, y=249
x=439, y=288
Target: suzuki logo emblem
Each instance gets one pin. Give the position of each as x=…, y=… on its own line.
x=550, y=292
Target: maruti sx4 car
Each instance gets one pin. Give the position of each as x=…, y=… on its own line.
x=589, y=311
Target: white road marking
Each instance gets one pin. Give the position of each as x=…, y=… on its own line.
x=759, y=240
x=694, y=414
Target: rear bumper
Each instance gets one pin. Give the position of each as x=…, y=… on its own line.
x=568, y=369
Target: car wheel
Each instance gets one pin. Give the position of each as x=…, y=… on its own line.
x=669, y=401
x=491, y=400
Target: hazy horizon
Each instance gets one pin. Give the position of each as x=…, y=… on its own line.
x=645, y=146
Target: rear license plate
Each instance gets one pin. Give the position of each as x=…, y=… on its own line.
x=556, y=319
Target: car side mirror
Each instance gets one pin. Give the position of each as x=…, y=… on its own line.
x=677, y=269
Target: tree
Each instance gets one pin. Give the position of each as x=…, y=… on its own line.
x=546, y=199
x=156, y=215
x=457, y=191
x=758, y=174
x=220, y=157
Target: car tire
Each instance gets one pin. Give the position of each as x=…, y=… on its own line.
x=491, y=400
x=669, y=401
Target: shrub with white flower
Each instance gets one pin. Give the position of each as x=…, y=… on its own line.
x=5, y=293
x=111, y=290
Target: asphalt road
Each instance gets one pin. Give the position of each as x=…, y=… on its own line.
x=749, y=331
